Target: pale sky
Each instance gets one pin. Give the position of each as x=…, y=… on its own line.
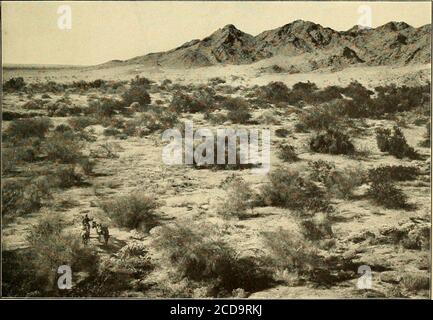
x=103, y=31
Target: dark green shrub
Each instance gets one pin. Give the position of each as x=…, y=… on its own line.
x=63, y=148
x=322, y=117
x=289, y=190
x=339, y=183
x=185, y=103
x=274, y=92
x=66, y=177
x=287, y=153
x=141, y=81
x=383, y=192
x=332, y=142
x=396, y=173
x=80, y=123
x=20, y=197
x=14, y=84
x=294, y=253
x=136, y=93
x=282, y=133
x=198, y=256
x=27, y=128
x=105, y=107
x=395, y=143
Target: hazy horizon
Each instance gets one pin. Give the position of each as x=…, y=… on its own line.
x=109, y=31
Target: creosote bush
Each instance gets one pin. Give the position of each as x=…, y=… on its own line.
x=395, y=173
x=198, y=254
x=136, y=93
x=14, y=84
x=239, y=201
x=332, y=142
x=321, y=117
x=27, y=128
x=288, y=189
x=384, y=192
x=20, y=197
x=287, y=153
x=339, y=183
x=395, y=143
x=296, y=254
x=135, y=211
x=182, y=102
x=238, y=110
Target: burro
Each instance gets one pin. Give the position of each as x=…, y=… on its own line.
x=230, y=146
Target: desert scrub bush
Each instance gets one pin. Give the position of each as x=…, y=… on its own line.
x=317, y=228
x=141, y=81
x=384, y=192
x=198, y=254
x=239, y=201
x=339, y=183
x=332, y=142
x=182, y=102
x=66, y=176
x=136, y=93
x=395, y=144
x=321, y=117
x=26, y=150
x=51, y=247
x=395, y=173
x=104, y=107
x=63, y=148
x=27, y=128
x=20, y=197
x=301, y=93
x=151, y=121
x=14, y=84
x=238, y=109
x=416, y=281
x=288, y=189
x=282, y=133
x=287, y=153
x=135, y=211
x=294, y=253
x=274, y=92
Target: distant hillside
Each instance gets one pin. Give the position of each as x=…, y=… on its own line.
x=395, y=43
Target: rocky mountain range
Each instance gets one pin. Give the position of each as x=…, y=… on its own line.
x=395, y=43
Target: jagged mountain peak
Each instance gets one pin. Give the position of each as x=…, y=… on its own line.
x=394, y=26
x=391, y=43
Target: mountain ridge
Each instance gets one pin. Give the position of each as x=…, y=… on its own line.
x=394, y=43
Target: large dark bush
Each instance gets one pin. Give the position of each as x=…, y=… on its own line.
x=135, y=211
x=332, y=142
x=136, y=93
x=289, y=190
x=395, y=143
x=27, y=128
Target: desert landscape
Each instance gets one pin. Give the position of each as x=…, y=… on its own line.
x=344, y=212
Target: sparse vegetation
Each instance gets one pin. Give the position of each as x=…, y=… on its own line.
x=333, y=142
x=198, y=256
x=239, y=201
x=289, y=190
x=395, y=143
x=135, y=211
x=287, y=153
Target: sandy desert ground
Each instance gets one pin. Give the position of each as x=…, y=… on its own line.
x=129, y=162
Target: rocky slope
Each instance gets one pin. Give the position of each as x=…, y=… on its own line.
x=395, y=43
